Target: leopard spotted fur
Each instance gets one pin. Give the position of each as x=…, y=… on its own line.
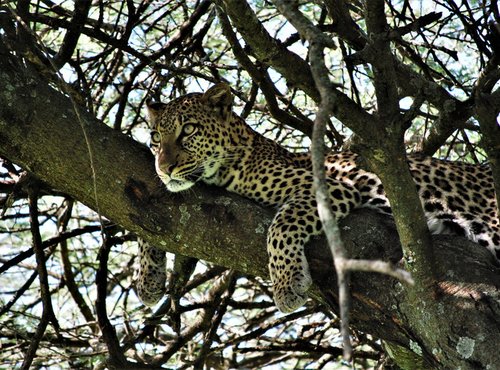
x=197, y=137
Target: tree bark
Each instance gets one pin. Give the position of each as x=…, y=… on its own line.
x=114, y=175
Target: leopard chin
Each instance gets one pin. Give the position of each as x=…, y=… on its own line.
x=176, y=186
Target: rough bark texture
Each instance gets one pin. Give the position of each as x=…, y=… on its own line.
x=40, y=132
x=467, y=305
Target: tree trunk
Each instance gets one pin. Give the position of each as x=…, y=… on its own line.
x=114, y=175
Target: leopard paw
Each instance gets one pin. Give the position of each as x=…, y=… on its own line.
x=152, y=275
x=150, y=292
x=291, y=294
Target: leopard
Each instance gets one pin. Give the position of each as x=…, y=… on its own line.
x=198, y=137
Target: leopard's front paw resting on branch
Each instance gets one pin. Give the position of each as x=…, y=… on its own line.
x=290, y=289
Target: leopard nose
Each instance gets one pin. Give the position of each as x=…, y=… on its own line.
x=171, y=168
x=166, y=168
x=165, y=163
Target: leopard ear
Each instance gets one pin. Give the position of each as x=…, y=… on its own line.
x=154, y=111
x=219, y=99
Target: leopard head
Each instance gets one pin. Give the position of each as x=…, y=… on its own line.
x=189, y=136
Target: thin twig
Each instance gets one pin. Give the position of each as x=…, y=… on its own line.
x=47, y=311
x=377, y=266
x=69, y=276
x=107, y=329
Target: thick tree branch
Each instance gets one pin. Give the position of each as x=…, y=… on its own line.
x=382, y=60
x=386, y=153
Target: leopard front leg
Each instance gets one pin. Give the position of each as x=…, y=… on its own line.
x=294, y=224
x=289, y=232
x=152, y=274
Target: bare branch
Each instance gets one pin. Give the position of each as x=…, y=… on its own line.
x=69, y=277
x=382, y=267
x=48, y=312
x=262, y=78
x=71, y=37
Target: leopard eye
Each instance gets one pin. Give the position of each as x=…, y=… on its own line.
x=188, y=129
x=155, y=138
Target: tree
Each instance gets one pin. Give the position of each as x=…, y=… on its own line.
x=74, y=80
